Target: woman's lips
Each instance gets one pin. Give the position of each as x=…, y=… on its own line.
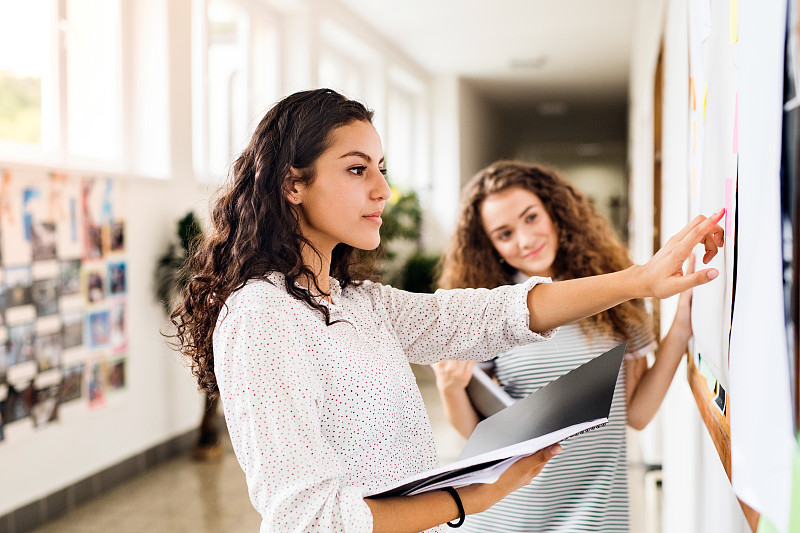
x=375, y=217
x=535, y=252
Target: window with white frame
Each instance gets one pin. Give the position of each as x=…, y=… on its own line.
x=28, y=77
x=350, y=65
x=62, y=100
x=407, y=137
x=92, y=53
x=340, y=73
x=237, y=79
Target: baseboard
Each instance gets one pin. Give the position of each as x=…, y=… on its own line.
x=39, y=512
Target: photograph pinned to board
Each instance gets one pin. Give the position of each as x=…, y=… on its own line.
x=118, y=337
x=114, y=237
x=16, y=248
x=45, y=296
x=48, y=351
x=19, y=402
x=43, y=241
x=72, y=330
x=45, y=407
x=20, y=345
x=19, y=285
x=96, y=383
x=116, y=278
x=65, y=209
x=72, y=386
x=116, y=374
x=98, y=329
x=93, y=281
x=92, y=231
x=69, y=277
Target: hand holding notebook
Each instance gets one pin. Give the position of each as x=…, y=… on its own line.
x=577, y=401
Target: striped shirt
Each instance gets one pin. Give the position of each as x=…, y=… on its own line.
x=584, y=488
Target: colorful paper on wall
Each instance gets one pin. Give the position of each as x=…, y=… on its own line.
x=762, y=415
x=765, y=526
x=733, y=32
x=794, y=513
x=736, y=126
x=728, y=205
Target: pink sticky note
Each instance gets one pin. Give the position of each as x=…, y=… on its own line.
x=728, y=204
x=736, y=126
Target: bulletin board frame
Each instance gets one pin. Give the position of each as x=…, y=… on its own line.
x=719, y=428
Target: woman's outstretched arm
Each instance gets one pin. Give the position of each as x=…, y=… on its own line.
x=554, y=304
x=647, y=386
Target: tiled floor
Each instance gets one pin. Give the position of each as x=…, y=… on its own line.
x=209, y=497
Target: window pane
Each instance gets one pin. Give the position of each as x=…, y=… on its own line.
x=228, y=27
x=25, y=67
x=400, y=142
x=341, y=74
x=93, y=74
x=331, y=73
x=266, y=71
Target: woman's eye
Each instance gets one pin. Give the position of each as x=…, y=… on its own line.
x=383, y=171
x=504, y=236
x=359, y=170
x=531, y=217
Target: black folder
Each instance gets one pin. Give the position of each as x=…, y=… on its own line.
x=578, y=401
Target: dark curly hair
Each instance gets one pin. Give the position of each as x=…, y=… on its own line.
x=254, y=228
x=587, y=246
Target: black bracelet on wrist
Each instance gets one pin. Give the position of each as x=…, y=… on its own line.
x=461, y=514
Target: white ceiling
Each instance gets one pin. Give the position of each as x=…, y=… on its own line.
x=515, y=51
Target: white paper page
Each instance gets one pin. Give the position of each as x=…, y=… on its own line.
x=527, y=447
x=762, y=439
x=488, y=475
x=715, y=165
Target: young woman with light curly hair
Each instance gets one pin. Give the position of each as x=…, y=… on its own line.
x=520, y=220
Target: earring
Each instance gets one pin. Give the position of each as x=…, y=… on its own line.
x=502, y=260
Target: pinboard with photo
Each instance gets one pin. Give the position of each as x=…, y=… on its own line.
x=63, y=289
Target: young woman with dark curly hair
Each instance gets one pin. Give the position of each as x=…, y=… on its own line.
x=312, y=362
x=519, y=220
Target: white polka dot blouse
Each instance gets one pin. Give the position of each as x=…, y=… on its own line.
x=319, y=414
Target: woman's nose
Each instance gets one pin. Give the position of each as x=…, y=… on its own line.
x=382, y=190
x=525, y=238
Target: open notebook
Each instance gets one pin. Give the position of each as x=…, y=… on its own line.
x=578, y=401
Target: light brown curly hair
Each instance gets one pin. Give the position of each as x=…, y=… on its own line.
x=587, y=246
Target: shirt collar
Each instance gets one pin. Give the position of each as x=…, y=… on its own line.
x=279, y=280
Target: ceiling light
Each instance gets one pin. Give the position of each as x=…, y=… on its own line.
x=535, y=62
x=551, y=108
x=589, y=149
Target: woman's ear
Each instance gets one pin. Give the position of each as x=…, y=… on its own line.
x=294, y=187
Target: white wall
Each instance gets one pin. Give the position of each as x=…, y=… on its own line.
x=161, y=400
x=440, y=202
x=697, y=496
x=478, y=131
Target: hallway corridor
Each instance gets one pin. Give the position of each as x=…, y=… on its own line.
x=186, y=496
